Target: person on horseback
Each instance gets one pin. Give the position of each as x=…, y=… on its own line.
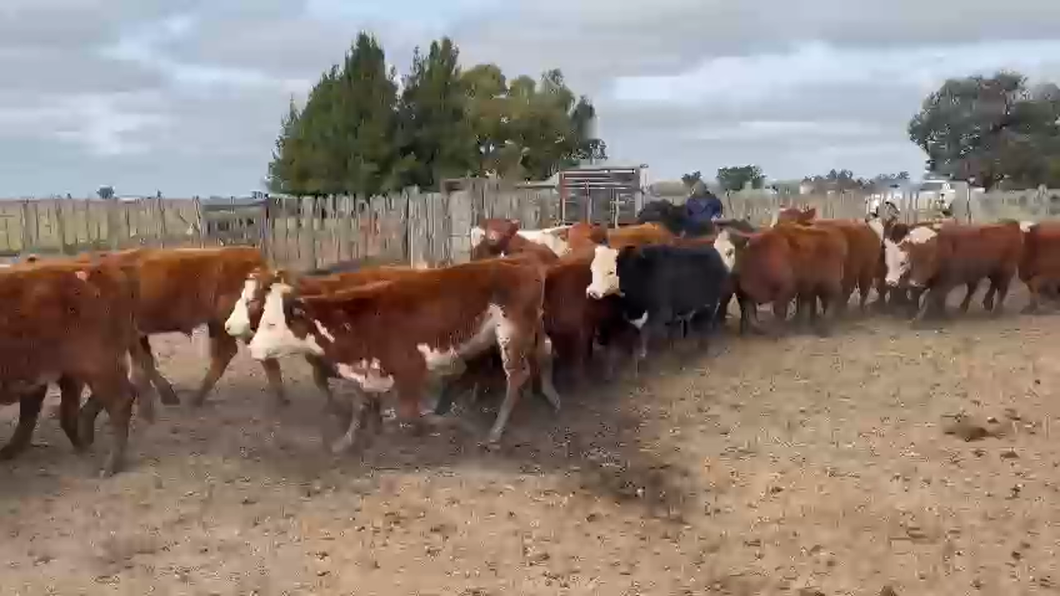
x=702, y=205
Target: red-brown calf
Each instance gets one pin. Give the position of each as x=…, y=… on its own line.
x=1040, y=266
x=74, y=323
x=786, y=262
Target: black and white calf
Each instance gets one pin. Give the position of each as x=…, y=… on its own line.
x=660, y=285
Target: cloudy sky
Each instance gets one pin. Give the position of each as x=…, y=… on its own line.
x=185, y=96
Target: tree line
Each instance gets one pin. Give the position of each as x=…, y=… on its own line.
x=361, y=132
x=737, y=178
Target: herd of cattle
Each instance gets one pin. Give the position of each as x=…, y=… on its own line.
x=528, y=302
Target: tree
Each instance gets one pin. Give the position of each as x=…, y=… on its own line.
x=343, y=141
x=105, y=192
x=438, y=140
x=736, y=178
x=691, y=178
x=283, y=176
x=990, y=130
x=355, y=135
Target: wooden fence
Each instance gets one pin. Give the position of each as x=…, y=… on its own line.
x=65, y=226
x=409, y=227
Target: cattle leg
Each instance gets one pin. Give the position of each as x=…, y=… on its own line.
x=274, y=378
x=864, y=287
x=998, y=284
x=141, y=363
x=357, y=419
x=450, y=389
x=640, y=351
x=223, y=348
x=541, y=366
x=146, y=361
x=780, y=313
x=517, y=371
x=572, y=350
x=972, y=287
x=1034, y=288
x=69, y=406
x=934, y=302
x=723, y=308
x=322, y=374
x=29, y=407
x=113, y=390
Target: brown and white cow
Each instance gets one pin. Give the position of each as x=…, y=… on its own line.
x=784, y=263
x=1040, y=266
x=394, y=334
x=72, y=323
x=496, y=231
x=893, y=233
x=939, y=260
x=245, y=317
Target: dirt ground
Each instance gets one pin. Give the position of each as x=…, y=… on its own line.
x=794, y=466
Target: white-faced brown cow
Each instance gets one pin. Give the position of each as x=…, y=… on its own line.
x=394, y=334
x=245, y=317
x=938, y=260
x=71, y=323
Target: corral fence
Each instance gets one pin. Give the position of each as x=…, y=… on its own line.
x=408, y=227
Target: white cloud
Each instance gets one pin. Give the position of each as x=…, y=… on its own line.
x=767, y=129
x=140, y=93
x=738, y=79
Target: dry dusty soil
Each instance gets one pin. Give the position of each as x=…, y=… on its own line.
x=794, y=466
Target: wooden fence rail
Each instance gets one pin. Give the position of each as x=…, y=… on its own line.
x=410, y=227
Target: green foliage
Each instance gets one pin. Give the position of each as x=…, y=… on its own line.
x=844, y=180
x=437, y=138
x=991, y=130
x=357, y=135
x=691, y=178
x=736, y=178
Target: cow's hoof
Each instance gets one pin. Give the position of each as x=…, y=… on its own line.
x=10, y=451
x=167, y=395
x=1028, y=310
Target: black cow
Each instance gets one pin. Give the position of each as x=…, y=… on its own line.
x=661, y=285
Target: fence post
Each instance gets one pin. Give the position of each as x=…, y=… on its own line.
x=410, y=243
x=163, y=231
x=60, y=226
x=27, y=233
x=306, y=233
x=199, y=233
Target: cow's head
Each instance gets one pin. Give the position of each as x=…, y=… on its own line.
x=498, y=231
x=244, y=319
x=910, y=253
x=604, y=269
x=728, y=244
x=284, y=328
